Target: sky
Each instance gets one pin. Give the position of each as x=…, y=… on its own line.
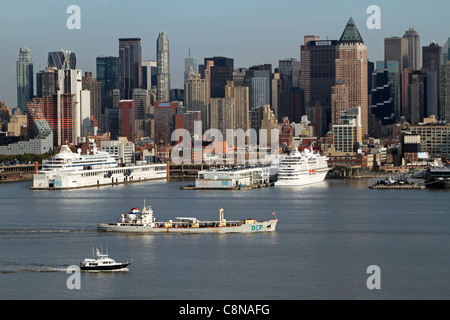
x=251, y=32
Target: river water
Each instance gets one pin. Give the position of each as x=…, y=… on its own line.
x=326, y=238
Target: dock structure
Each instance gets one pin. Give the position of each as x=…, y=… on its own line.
x=398, y=187
x=19, y=172
x=233, y=178
x=187, y=171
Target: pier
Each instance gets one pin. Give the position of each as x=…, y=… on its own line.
x=20, y=172
x=236, y=188
x=398, y=187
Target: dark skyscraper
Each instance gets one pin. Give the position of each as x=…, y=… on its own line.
x=322, y=69
x=24, y=79
x=220, y=73
x=382, y=102
x=289, y=70
x=108, y=74
x=292, y=104
x=431, y=60
x=56, y=59
x=46, y=82
x=130, y=66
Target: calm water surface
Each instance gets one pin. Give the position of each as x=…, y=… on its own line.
x=326, y=237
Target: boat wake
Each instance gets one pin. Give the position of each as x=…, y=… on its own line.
x=42, y=231
x=13, y=267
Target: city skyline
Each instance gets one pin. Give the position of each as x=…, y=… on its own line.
x=254, y=34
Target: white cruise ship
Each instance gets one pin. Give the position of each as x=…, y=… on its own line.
x=298, y=169
x=69, y=170
x=66, y=160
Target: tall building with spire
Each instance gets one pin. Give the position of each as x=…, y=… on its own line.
x=351, y=69
x=413, y=48
x=189, y=63
x=162, y=64
x=24, y=79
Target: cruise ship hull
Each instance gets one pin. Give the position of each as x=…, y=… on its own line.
x=303, y=179
x=63, y=180
x=262, y=226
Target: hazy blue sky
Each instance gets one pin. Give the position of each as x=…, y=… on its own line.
x=250, y=31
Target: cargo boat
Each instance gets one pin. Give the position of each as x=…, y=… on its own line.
x=144, y=221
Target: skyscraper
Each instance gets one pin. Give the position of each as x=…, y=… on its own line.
x=446, y=51
x=291, y=104
x=339, y=101
x=347, y=134
x=289, y=70
x=258, y=82
x=222, y=115
x=382, y=102
x=445, y=97
x=304, y=77
x=220, y=71
x=94, y=87
x=322, y=75
x=70, y=82
x=351, y=68
x=130, y=66
x=396, y=49
x=196, y=97
x=108, y=73
x=149, y=73
x=232, y=111
x=189, y=62
x=62, y=119
x=164, y=121
x=431, y=60
x=46, y=82
x=57, y=59
x=412, y=36
x=126, y=115
x=24, y=79
x=163, y=73
x=240, y=94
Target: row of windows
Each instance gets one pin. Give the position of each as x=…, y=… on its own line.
x=121, y=171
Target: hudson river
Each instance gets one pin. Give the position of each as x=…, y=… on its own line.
x=326, y=238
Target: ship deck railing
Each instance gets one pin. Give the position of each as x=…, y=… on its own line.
x=201, y=224
x=185, y=224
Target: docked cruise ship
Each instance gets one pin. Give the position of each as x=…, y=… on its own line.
x=70, y=170
x=298, y=169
